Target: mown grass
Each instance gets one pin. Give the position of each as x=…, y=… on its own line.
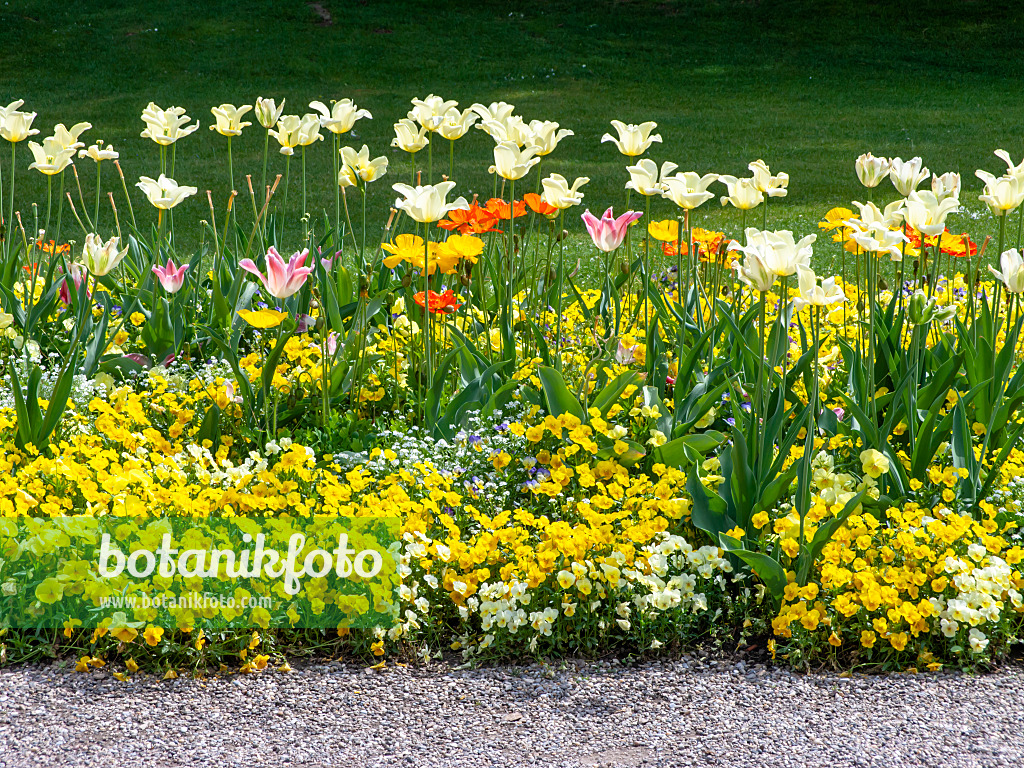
x=807, y=86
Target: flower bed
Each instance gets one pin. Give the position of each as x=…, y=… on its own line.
x=709, y=445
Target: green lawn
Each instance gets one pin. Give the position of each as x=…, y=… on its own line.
x=806, y=86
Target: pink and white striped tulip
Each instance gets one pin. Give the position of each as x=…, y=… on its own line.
x=171, y=277
x=282, y=280
x=608, y=232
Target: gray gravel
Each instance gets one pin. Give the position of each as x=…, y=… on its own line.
x=678, y=713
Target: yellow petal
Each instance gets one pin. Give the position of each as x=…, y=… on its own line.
x=264, y=318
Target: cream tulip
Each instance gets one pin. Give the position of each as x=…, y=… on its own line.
x=342, y=115
x=743, y=193
x=17, y=126
x=545, y=136
x=427, y=204
x=14, y=106
x=511, y=162
x=878, y=238
x=1017, y=171
x=689, y=190
x=496, y=110
x=164, y=193
x=101, y=258
x=98, y=152
x=287, y=133
x=309, y=130
x=633, y=140
x=778, y=250
x=68, y=137
x=558, y=194
x=430, y=112
x=456, y=123
x=926, y=213
x=1012, y=271
x=408, y=137
x=1001, y=194
x=890, y=218
x=773, y=186
x=814, y=295
x=166, y=126
x=947, y=185
x=229, y=119
x=50, y=158
x=907, y=176
x=358, y=169
x=268, y=113
x=645, y=179
x=871, y=170
x=752, y=270
x=513, y=129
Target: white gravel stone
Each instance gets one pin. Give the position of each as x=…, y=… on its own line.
x=666, y=713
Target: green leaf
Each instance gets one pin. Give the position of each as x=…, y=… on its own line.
x=708, y=512
x=673, y=453
x=768, y=569
x=557, y=396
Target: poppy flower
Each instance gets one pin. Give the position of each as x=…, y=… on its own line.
x=470, y=221
x=439, y=302
x=537, y=204
x=500, y=208
x=667, y=231
x=263, y=319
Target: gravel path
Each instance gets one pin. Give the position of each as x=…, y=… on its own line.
x=682, y=713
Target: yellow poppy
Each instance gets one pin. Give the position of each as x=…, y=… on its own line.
x=264, y=318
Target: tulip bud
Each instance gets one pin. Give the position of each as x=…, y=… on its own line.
x=871, y=170
x=915, y=308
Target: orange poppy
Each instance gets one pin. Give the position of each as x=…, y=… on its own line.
x=669, y=249
x=500, y=208
x=51, y=246
x=472, y=221
x=952, y=245
x=537, y=204
x=439, y=302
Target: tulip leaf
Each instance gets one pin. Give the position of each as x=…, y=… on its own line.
x=557, y=396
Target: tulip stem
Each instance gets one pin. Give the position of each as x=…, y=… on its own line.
x=996, y=291
x=49, y=202
x=266, y=149
x=99, y=189
x=60, y=211
x=812, y=427
x=305, y=235
x=337, y=194
x=1020, y=226
x=287, y=169
x=430, y=157
x=362, y=247
x=758, y=434
x=10, y=209
x=872, y=261
x=561, y=266
x=426, y=327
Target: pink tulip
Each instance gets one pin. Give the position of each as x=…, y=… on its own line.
x=609, y=232
x=171, y=277
x=65, y=294
x=282, y=280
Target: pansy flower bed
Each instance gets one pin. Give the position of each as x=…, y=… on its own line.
x=707, y=443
